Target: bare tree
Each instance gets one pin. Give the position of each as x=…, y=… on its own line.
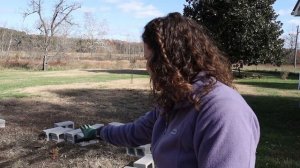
x=48, y=28
x=62, y=42
x=3, y=40
x=10, y=41
x=95, y=30
x=290, y=41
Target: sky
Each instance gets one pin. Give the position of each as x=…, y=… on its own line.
x=124, y=19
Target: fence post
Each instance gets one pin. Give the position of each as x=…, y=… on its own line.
x=299, y=82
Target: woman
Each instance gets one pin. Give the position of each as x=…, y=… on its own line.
x=199, y=120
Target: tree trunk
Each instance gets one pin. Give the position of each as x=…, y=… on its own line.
x=45, y=63
x=45, y=58
x=10, y=41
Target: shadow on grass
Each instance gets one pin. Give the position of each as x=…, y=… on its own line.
x=273, y=85
x=279, y=119
x=122, y=71
x=27, y=118
x=276, y=74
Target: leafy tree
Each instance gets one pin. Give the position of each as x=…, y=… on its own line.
x=246, y=30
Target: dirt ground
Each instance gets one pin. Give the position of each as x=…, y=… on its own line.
x=85, y=103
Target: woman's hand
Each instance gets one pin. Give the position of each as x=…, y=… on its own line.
x=88, y=131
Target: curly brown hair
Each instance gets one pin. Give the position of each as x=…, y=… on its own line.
x=181, y=49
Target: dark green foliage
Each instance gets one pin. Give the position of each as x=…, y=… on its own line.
x=246, y=30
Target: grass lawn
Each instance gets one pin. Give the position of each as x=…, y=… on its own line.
x=31, y=101
x=277, y=105
x=12, y=80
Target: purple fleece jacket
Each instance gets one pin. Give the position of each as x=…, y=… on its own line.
x=224, y=133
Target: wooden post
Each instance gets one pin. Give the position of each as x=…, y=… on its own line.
x=299, y=82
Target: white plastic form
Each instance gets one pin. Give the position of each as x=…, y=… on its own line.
x=71, y=135
x=56, y=134
x=86, y=143
x=115, y=123
x=2, y=123
x=65, y=124
x=140, y=151
x=144, y=162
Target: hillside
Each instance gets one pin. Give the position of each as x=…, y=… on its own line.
x=13, y=40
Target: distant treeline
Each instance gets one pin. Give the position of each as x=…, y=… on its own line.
x=12, y=41
x=21, y=45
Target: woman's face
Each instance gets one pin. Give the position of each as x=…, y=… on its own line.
x=147, y=51
x=147, y=55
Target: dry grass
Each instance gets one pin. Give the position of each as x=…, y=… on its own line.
x=69, y=63
x=255, y=91
x=82, y=103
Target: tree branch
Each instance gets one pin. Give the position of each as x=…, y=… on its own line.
x=65, y=16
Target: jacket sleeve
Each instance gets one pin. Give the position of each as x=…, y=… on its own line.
x=132, y=134
x=226, y=135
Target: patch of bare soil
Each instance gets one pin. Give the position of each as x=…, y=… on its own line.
x=70, y=73
x=86, y=103
x=246, y=89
